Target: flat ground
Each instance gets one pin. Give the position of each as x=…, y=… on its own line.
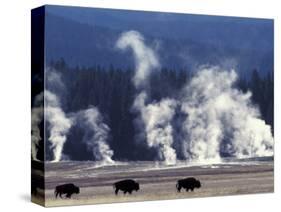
x=155, y=182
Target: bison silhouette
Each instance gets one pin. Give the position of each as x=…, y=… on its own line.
x=36, y=183
x=188, y=184
x=67, y=189
x=126, y=186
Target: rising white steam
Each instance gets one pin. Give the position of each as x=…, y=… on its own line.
x=220, y=118
x=145, y=58
x=37, y=113
x=96, y=134
x=157, y=119
x=59, y=124
x=154, y=118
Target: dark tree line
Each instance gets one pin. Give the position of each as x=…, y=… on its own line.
x=112, y=91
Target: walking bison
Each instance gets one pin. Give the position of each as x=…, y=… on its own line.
x=188, y=184
x=126, y=186
x=37, y=183
x=67, y=189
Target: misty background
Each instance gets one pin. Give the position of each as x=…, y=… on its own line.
x=80, y=46
x=86, y=37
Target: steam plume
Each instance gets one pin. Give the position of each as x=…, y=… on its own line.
x=96, y=134
x=54, y=115
x=145, y=57
x=36, y=118
x=220, y=118
x=157, y=119
x=153, y=118
x=59, y=124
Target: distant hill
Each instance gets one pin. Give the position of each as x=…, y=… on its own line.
x=86, y=37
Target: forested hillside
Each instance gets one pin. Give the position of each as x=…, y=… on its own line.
x=111, y=90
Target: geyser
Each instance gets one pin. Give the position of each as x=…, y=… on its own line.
x=95, y=134
x=154, y=119
x=220, y=118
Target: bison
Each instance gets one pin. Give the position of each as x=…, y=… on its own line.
x=188, y=183
x=126, y=186
x=67, y=189
x=36, y=183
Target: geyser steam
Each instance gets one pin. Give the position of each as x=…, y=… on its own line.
x=145, y=58
x=215, y=118
x=96, y=134
x=220, y=118
x=155, y=118
x=59, y=124
x=36, y=118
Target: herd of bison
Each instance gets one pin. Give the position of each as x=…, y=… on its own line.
x=127, y=186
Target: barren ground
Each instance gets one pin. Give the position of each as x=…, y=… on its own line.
x=155, y=183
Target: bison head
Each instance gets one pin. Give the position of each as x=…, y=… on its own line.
x=77, y=190
x=198, y=184
x=137, y=186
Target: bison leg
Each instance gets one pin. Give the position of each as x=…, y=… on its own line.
x=125, y=192
x=192, y=189
x=68, y=195
x=178, y=188
x=60, y=193
x=56, y=193
x=130, y=192
x=116, y=191
x=187, y=189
